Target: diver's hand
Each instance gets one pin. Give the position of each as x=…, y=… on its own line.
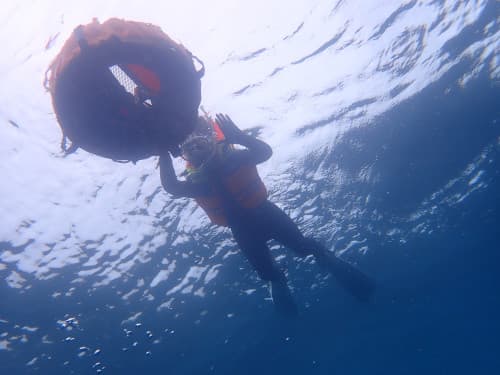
x=257, y=150
x=232, y=133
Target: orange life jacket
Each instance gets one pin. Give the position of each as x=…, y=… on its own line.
x=245, y=187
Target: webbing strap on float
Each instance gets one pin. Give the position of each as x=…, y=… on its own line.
x=64, y=145
x=80, y=37
x=200, y=72
x=82, y=42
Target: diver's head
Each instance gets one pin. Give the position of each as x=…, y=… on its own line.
x=198, y=149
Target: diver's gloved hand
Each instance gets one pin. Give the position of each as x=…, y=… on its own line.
x=232, y=133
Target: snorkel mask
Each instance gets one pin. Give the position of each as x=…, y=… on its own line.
x=198, y=149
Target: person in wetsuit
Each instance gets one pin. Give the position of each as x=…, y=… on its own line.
x=225, y=182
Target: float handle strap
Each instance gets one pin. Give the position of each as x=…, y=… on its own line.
x=200, y=72
x=64, y=146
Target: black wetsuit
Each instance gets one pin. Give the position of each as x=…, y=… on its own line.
x=256, y=226
x=251, y=227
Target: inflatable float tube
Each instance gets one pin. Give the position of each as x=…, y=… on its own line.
x=117, y=87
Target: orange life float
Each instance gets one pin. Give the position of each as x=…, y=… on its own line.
x=115, y=85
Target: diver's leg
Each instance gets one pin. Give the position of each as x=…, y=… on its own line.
x=258, y=254
x=284, y=230
x=349, y=277
x=287, y=232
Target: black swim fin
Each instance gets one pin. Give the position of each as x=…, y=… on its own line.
x=349, y=277
x=282, y=298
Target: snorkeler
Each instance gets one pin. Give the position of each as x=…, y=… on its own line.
x=225, y=183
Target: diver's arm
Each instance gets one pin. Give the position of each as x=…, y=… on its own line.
x=257, y=150
x=172, y=185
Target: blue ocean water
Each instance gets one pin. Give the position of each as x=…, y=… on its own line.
x=386, y=136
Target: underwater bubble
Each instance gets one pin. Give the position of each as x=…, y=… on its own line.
x=32, y=362
x=127, y=332
x=68, y=324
